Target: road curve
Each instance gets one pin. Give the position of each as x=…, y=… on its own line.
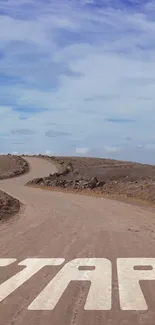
x=68, y=226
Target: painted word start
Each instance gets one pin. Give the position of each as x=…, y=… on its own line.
x=97, y=271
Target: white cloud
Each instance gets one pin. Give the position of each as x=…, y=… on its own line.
x=82, y=150
x=48, y=153
x=150, y=146
x=112, y=149
x=57, y=55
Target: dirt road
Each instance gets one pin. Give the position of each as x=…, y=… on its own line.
x=68, y=226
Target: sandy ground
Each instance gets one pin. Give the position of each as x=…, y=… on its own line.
x=8, y=206
x=69, y=226
x=121, y=180
x=10, y=166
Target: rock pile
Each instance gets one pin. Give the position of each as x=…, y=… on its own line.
x=66, y=177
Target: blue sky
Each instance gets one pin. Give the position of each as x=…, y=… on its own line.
x=78, y=78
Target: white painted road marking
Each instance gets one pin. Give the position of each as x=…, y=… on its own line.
x=7, y=261
x=33, y=265
x=99, y=296
x=131, y=296
x=100, y=293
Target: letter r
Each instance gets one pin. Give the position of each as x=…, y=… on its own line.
x=131, y=296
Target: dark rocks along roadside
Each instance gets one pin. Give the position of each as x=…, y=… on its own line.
x=106, y=177
x=67, y=177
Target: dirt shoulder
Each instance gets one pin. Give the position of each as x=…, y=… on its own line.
x=10, y=166
x=9, y=206
x=103, y=177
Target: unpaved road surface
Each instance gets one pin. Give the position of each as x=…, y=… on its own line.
x=68, y=226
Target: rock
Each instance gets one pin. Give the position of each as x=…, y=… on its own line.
x=70, y=167
x=36, y=181
x=57, y=174
x=47, y=183
x=69, y=184
x=93, y=182
x=63, y=171
x=75, y=172
x=78, y=183
x=75, y=184
x=53, y=176
x=39, y=180
x=100, y=184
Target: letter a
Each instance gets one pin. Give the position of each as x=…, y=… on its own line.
x=99, y=296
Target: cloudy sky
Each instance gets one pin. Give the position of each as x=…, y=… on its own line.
x=77, y=77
